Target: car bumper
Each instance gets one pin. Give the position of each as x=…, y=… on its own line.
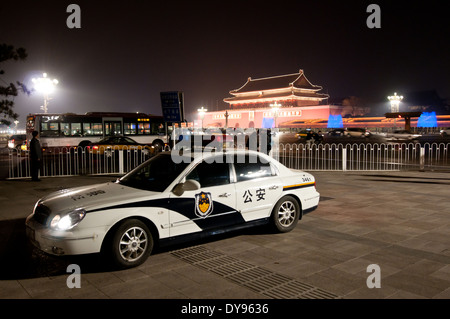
x=311, y=202
x=74, y=242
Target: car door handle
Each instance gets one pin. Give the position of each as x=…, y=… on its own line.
x=273, y=187
x=225, y=195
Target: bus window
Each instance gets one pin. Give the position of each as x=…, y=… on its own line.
x=113, y=128
x=87, y=129
x=76, y=129
x=158, y=129
x=92, y=129
x=129, y=128
x=97, y=129
x=49, y=129
x=65, y=129
x=144, y=128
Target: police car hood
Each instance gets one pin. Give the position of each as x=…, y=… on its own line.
x=94, y=197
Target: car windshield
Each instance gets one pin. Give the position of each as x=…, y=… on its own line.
x=155, y=175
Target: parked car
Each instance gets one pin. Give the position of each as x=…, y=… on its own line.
x=357, y=132
x=337, y=132
x=18, y=142
x=168, y=200
x=445, y=132
x=303, y=134
x=309, y=136
x=401, y=135
x=112, y=143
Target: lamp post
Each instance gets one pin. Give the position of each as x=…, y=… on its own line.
x=395, y=104
x=226, y=118
x=45, y=86
x=202, y=112
x=275, y=106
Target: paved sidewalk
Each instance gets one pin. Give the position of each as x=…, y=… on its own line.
x=397, y=220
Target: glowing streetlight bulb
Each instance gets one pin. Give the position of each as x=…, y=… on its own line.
x=202, y=112
x=45, y=86
x=395, y=105
x=395, y=102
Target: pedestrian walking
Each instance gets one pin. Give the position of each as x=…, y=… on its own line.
x=35, y=157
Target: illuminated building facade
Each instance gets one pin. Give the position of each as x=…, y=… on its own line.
x=252, y=105
x=292, y=101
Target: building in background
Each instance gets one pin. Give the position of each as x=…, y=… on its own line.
x=292, y=101
x=273, y=102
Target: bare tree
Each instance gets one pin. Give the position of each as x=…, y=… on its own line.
x=10, y=90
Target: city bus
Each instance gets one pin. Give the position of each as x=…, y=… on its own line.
x=79, y=130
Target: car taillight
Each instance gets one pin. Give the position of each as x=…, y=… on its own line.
x=95, y=147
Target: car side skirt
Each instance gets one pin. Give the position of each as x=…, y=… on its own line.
x=164, y=242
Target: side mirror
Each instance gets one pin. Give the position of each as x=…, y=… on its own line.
x=189, y=185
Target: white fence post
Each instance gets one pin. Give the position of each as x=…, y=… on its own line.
x=422, y=159
x=344, y=159
x=121, y=170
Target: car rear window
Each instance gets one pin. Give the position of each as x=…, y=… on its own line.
x=252, y=169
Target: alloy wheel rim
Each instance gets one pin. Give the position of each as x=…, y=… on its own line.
x=133, y=244
x=286, y=214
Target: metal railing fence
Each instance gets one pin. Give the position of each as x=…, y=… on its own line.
x=72, y=161
x=364, y=157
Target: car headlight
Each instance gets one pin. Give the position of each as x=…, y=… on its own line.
x=69, y=220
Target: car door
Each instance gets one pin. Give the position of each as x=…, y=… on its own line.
x=213, y=206
x=258, y=187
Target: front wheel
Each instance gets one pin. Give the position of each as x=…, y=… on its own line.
x=131, y=244
x=285, y=214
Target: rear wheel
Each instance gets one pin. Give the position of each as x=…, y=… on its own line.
x=285, y=214
x=131, y=244
x=158, y=145
x=84, y=143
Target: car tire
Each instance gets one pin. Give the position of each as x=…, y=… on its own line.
x=131, y=244
x=84, y=143
x=285, y=214
x=158, y=145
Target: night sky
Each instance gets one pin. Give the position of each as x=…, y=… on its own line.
x=127, y=52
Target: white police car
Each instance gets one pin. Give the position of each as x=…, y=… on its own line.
x=169, y=198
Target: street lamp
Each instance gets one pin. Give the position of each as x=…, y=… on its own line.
x=226, y=118
x=395, y=104
x=202, y=112
x=45, y=86
x=275, y=106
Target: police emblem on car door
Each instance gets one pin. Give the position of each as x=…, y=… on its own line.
x=203, y=204
x=213, y=206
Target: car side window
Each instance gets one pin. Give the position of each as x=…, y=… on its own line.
x=252, y=169
x=213, y=174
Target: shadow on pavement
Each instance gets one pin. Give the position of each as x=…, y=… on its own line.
x=19, y=259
